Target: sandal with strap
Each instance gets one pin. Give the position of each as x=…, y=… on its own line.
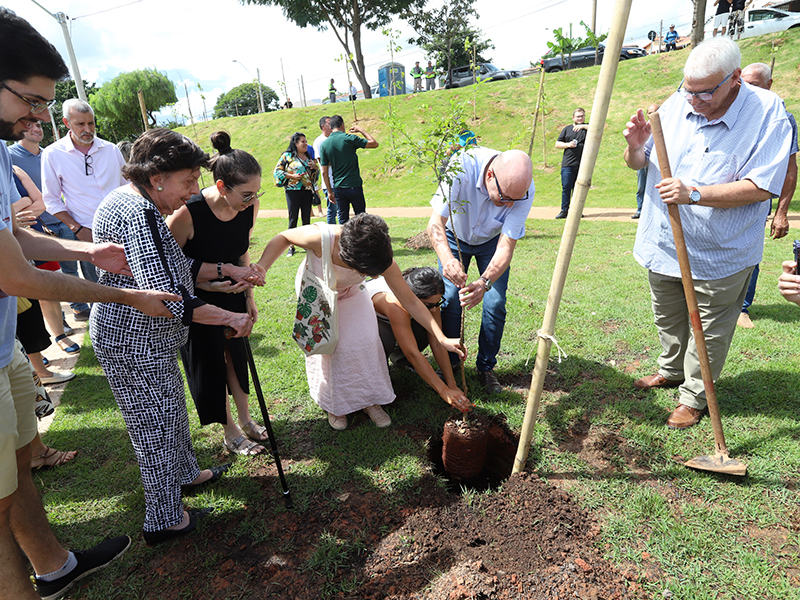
x=242, y=446
x=256, y=432
x=72, y=348
x=52, y=458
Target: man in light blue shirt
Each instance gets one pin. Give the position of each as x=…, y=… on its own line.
x=729, y=149
x=485, y=207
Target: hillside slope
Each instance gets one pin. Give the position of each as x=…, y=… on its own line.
x=504, y=111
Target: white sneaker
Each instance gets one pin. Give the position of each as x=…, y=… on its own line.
x=378, y=416
x=338, y=423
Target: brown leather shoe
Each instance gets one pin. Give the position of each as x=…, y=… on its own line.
x=684, y=416
x=656, y=381
x=489, y=381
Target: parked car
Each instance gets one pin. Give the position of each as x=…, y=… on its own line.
x=461, y=76
x=758, y=21
x=585, y=57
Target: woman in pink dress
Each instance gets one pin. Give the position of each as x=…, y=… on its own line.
x=355, y=377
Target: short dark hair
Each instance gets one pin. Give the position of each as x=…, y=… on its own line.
x=365, y=245
x=162, y=151
x=231, y=167
x=322, y=121
x=337, y=122
x=24, y=53
x=424, y=281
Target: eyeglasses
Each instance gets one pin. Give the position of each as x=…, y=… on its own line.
x=36, y=107
x=87, y=163
x=432, y=305
x=249, y=197
x=704, y=96
x=503, y=197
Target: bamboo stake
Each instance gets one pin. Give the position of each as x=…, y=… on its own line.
x=143, y=106
x=598, y=120
x=544, y=141
x=536, y=112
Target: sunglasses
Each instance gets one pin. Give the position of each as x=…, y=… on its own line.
x=247, y=199
x=36, y=107
x=432, y=305
x=87, y=164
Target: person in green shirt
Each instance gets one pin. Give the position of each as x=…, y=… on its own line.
x=416, y=73
x=430, y=77
x=340, y=167
x=332, y=92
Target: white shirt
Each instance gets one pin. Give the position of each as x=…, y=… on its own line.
x=64, y=175
x=752, y=140
x=318, y=144
x=475, y=217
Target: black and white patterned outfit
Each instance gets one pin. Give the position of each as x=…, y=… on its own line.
x=139, y=354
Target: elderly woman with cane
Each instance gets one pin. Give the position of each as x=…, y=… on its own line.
x=139, y=353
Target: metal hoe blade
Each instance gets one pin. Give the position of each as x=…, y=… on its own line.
x=720, y=463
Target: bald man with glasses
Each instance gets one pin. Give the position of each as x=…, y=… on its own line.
x=729, y=148
x=485, y=207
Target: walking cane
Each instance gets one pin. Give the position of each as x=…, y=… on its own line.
x=287, y=498
x=720, y=462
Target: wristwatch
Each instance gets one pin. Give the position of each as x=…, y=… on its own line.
x=694, y=196
x=487, y=284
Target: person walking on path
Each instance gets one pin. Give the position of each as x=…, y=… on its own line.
x=760, y=75
x=571, y=140
x=416, y=73
x=712, y=119
x=430, y=77
x=340, y=170
x=485, y=207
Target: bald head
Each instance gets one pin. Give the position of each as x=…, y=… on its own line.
x=514, y=172
x=758, y=74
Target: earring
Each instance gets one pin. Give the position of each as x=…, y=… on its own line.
x=160, y=189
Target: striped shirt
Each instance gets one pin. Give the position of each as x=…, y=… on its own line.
x=752, y=140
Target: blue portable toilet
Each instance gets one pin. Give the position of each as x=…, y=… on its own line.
x=392, y=79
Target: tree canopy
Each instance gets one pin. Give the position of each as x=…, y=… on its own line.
x=441, y=33
x=243, y=100
x=117, y=102
x=346, y=18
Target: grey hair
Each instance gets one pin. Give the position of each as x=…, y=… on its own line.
x=77, y=104
x=712, y=57
x=760, y=70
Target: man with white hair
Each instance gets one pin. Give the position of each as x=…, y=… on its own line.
x=760, y=75
x=729, y=146
x=78, y=172
x=485, y=207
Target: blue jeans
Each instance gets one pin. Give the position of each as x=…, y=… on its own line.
x=347, y=196
x=493, y=318
x=751, y=290
x=70, y=267
x=569, y=175
x=641, y=179
x=331, y=218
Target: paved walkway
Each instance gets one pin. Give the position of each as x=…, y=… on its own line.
x=537, y=212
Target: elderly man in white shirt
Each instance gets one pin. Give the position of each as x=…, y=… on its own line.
x=729, y=146
x=490, y=196
x=78, y=172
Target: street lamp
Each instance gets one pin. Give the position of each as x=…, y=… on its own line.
x=260, y=96
x=76, y=73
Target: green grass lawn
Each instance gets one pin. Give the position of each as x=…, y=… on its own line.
x=504, y=113
x=699, y=535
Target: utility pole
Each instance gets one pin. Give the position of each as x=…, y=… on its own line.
x=594, y=31
x=76, y=73
x=283, y=77
x=258, y=80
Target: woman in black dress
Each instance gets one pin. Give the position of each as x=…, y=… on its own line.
x=215, y=226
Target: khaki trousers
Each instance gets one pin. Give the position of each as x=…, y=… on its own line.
x=719, y=302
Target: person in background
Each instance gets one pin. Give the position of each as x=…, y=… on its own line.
x=215, y=226
x=297, y=173
x=721, y=17
x=27, y=155
x=789, y=282
x=430, y=77
x=139, y=353
x=125, y=147
x=340, y=167
x=355, y=376
x=571, y=140
x=404, y=339
x=760, y=75
x=78, y=171
x=325, y=127
x=288, y=104
x=353, y=92
x=641, y=184
x=332, y=92
x=671, y=38
x=416, y=73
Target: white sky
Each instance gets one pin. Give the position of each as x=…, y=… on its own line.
x=196, y=41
